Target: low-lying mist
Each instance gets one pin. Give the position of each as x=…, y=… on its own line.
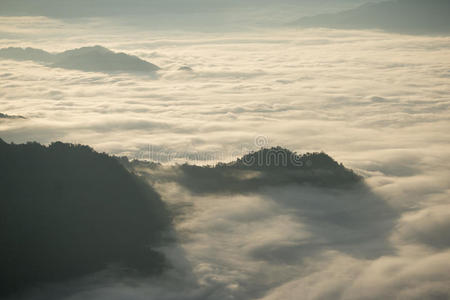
x=374, y=227
x=270, y=241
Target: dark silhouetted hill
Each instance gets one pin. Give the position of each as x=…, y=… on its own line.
x=185, y=68
x=266, y=167
x=88, y=59
x=67, y=211
x=402, y=16
x=5, y=116
x=98, y=58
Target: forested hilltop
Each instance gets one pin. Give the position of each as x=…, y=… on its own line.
x=266, y=167
x=68, y=211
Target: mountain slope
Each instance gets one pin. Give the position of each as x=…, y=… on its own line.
x=67, y=211
x=267, y=167
x=403, y=16
x=88, y=59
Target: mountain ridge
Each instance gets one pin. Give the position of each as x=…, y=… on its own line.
x=266, y=167
x=89, y=59
x=400, y=16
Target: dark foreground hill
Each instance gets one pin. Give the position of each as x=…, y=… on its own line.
x=403, y=16
x=88, y=59
x=67, y=211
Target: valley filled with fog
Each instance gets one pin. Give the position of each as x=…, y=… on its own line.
x=375, y=101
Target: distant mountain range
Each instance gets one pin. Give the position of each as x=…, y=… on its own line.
x=139, y=8
x=402, y=16
x=177, y=14
x=89, y=59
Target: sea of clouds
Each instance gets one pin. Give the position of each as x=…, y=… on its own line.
x=375, y=101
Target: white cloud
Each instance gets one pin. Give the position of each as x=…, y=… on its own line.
x=375, y=101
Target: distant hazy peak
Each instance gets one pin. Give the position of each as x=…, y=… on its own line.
x=87, y=49
x=403, y=16
x=91, y=59
x=28, y=53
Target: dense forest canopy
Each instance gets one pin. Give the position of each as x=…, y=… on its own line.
x=67, y=211
x=274, y=166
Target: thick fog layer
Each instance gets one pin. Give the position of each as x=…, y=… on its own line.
x=376, y=102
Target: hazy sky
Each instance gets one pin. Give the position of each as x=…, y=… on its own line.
x=180, y=13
